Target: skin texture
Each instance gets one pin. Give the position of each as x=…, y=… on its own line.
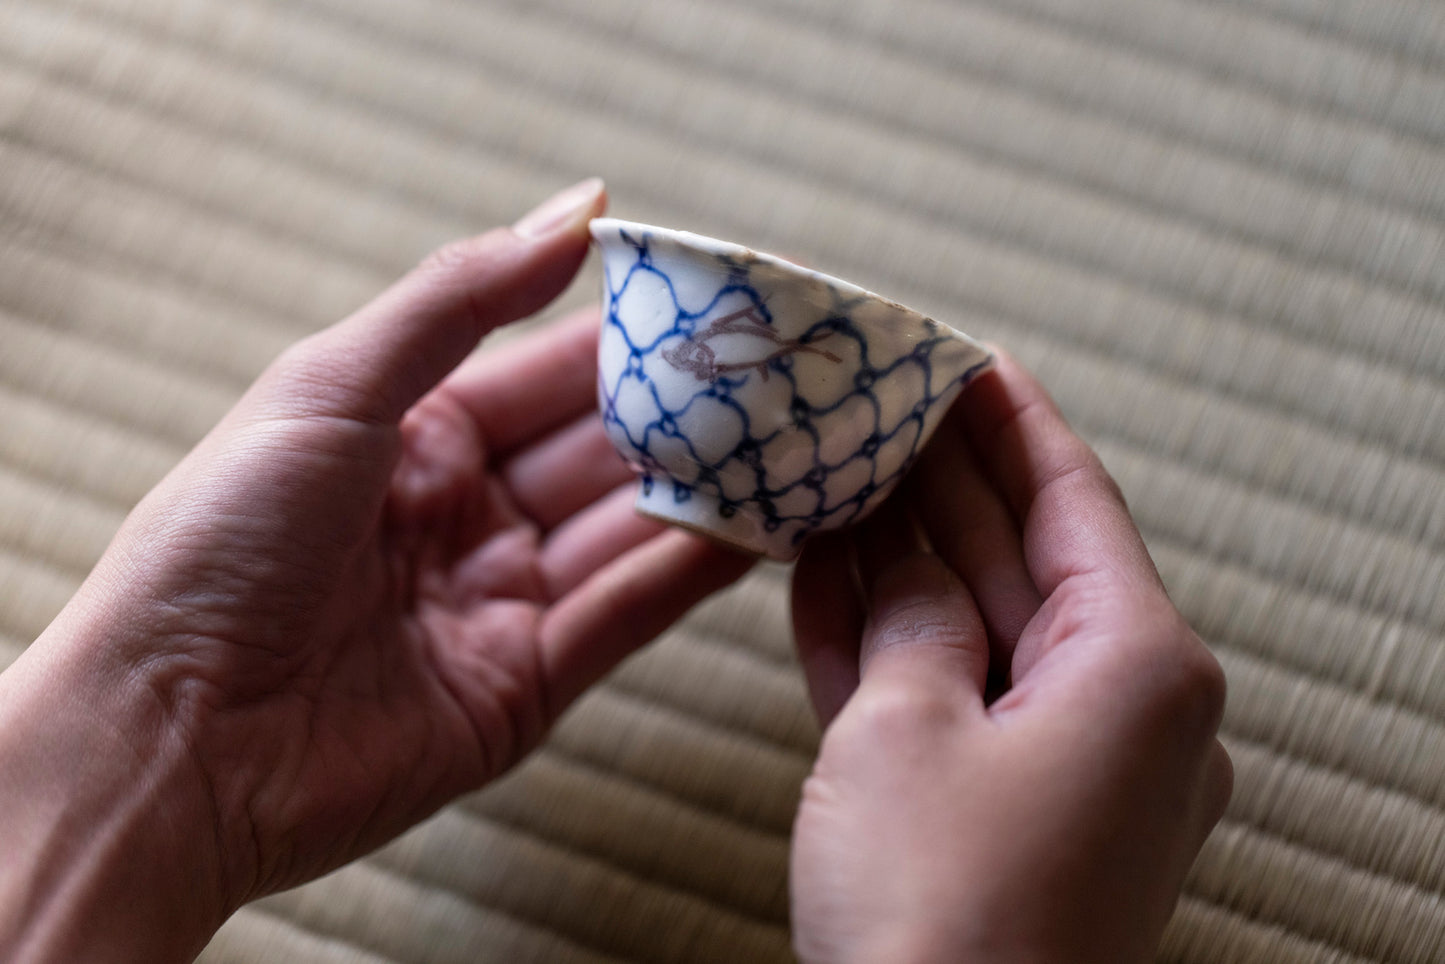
x=384, y=574
x=1020, y=761
x=363, y=594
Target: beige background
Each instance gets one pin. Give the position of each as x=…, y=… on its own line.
x=1213, y=226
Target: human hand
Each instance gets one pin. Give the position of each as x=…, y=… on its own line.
x=372, y=587
x=1020, y=761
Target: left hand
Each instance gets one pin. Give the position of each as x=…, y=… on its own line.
x=371, y=588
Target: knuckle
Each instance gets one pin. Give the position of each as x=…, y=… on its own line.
x=1090, y=469
x=293, y=356
x=1219, y=786
x=1110, y=484
x=1190, y=686
x=1210, y=686
x=311, y=378
x=901, y=715
x=460, y=259
x=1072, y=456
x=1176, y=685
x=1076, y=461
x=448, y=258
x=304, y=375
x=300, y=361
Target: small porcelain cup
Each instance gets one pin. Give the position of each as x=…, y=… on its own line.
x=760, y=401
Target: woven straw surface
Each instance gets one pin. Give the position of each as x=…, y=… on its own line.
x=1214, y=227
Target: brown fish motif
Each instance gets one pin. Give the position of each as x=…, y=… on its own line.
x=697, y=356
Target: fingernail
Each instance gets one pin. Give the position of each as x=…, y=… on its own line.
x=567, y=210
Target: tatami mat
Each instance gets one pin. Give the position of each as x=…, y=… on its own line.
x=1215, y=227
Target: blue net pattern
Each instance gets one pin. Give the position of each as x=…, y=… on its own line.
x=819, y=492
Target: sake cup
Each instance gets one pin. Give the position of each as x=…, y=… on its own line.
x=759, y=400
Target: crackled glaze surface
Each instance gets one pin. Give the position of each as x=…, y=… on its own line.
x=761, y=401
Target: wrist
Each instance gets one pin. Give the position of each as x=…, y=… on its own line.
x=110, y=837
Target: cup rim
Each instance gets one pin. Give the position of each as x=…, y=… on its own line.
x=716, y=246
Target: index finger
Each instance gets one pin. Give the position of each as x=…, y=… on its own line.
x=543, y=380
x=376, y=364
x=1071, y=512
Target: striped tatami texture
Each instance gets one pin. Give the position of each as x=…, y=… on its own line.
x=1214, y=227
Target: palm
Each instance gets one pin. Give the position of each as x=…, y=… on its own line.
x=432, y=596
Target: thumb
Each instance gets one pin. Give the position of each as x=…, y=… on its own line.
x=312, y=495
x=377, y=363
x=923, y=626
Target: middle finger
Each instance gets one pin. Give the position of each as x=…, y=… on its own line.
x=564, y=472
x=974, y=532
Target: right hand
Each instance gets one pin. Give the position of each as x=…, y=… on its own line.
x=1020, y=760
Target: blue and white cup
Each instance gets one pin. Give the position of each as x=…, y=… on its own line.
x=761, y=401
